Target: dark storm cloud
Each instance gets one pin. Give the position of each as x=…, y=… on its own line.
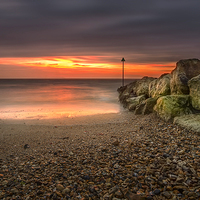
x=143, y=31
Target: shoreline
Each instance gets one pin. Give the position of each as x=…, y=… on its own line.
x=103, y=156
x=75, y=120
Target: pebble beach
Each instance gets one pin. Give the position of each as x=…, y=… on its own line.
x=110, y=156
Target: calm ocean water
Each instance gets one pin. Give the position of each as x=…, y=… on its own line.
x=54, y=98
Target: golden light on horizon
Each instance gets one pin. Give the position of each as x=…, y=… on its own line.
x=55, y=62
x=82, y=67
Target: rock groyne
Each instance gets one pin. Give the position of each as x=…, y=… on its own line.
x=173, y=97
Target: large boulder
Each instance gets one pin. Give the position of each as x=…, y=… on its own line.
x=171, y=106
x=134, y=101
x=184, y=71
x=194, y=85
x=142, y=86
x=146, y=107
x=160, y=86
x=191, y=122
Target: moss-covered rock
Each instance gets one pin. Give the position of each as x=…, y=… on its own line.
x=194, y=85
x=171, y=106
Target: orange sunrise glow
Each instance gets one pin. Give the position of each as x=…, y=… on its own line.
x=77, y=67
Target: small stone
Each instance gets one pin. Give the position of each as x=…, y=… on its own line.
x=4, y=182
x=118, y=194
x=86, y=177
x=131, y=196
x=179, y=179
x=193, y=170
x=191, y=194
x=165, y=155
x=104, y=149
x=39, y=192
x=116, y=166
x=113, y=189
x=166, y=194
x=107, y=196
x=115, y=143
x=14, y=190
x=156, y=191
x=66, y=191
x=26, y=146
x=179, y=188
x=181, y=152
x=108, y=184
x=169, y=188
x=59, y=187
x=149, y=198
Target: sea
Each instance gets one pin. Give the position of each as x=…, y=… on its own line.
x=57, y=98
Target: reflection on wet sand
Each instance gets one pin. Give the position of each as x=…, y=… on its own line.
x=46, y=99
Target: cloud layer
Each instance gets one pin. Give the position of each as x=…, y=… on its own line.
x=142, y=31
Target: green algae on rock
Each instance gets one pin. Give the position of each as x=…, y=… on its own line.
x=171, y=106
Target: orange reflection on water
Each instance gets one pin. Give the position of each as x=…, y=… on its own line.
x=54, y=99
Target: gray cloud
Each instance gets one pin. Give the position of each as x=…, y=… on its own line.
x=157, y=31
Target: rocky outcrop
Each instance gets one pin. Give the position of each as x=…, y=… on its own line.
x=184, y=71
x=194, y=87
x=160, y=86
x=171, y=95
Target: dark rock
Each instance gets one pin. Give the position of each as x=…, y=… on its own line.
x=166, y=194
x=26, y=146
x=165, y=155
x=156, y=192
x=86, y=177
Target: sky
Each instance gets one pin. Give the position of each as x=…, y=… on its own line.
x=88, y=38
